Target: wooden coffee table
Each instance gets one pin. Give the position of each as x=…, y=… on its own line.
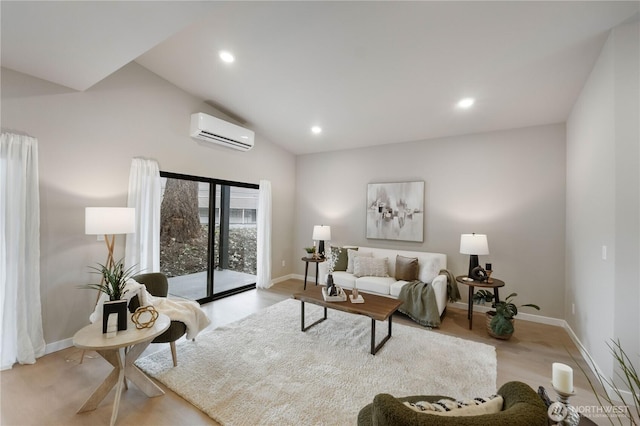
x=378, y=308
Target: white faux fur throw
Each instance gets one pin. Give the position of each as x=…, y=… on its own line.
x=186, y=311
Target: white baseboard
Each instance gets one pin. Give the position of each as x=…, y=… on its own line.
x=58, y=346
x=521, y=315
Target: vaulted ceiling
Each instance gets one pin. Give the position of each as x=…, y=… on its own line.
x=368, y=73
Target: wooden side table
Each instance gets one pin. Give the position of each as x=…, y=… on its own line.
x=308, y=260
x=482, y=284
x=113, y=350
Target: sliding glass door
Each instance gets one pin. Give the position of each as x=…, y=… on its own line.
x=208, y=236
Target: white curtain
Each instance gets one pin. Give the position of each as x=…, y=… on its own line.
x=264, y=235
x=20, y=309
x=143, y=247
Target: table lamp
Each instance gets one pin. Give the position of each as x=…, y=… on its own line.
x=473, y=245
x=321, y=233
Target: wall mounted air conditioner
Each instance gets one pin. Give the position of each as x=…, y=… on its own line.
x=211, y=129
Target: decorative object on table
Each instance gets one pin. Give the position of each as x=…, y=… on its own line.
x=113, y=283
x=500, y=322
x=395, y=211
x=144, y=312
x=561, y=411
x=112, y=326
x=478, y=274
x=474, y=245
x=117, y=308
x=310, y=250
x=321, y=233
x=338, y=296
x=483, y=296
x=489, y=270
x=354, y=297
x=332, y=258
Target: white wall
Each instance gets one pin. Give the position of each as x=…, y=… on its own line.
x=86, y=143
x=509, y=185
x=603, y=193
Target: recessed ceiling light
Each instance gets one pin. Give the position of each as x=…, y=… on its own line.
x=226, y=56
x=316, y=130
x=466, y=103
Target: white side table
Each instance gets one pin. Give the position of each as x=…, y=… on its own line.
x=113, y=350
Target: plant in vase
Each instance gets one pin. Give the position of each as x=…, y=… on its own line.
x=113, y=282
x=331, y=260
x=310, y=251
x=500, y=321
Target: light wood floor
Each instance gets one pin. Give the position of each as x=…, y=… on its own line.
x=51, y=391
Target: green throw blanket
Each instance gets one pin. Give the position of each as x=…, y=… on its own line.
x=420, y=300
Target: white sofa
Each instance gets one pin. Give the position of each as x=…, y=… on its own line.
x=429, y=266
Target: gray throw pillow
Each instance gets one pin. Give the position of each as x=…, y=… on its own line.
x=406, y=268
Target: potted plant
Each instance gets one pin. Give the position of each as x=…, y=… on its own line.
x=500, y=321
x=310, y=250
x=113, y=282
x=482, y=297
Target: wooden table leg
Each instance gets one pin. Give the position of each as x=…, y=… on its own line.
x=113, y=357
x=317, y=264
x=306, y=270
x=497, y=296
x=118, y=376
x=470, y=309
x=133, y=373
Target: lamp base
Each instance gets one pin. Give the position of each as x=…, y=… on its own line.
x=321, y=249
x=473, y=262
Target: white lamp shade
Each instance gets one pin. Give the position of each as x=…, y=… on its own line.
x=109, y=220
x=474, y=244
x=321, y=233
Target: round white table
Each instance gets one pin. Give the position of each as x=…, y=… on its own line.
x=120, y=351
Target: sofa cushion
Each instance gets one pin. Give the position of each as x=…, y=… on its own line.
x=395, y=288
x=370, y=266
x=351, y=255
x=377, y=285
x=449, y=407
x=406, y=268
x=344, y=279
x=342, y=260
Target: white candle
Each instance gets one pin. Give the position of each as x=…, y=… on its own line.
x=562, y=377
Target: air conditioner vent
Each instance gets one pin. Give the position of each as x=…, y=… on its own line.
x=212, y=129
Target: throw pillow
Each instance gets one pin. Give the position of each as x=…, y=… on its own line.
x=342, y=261
x=449, y=407
x=352, y=254
x=406, y=268
x=364, y=266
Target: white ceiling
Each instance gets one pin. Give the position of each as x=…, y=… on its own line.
x=369, y=73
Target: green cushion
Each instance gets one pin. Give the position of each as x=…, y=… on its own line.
x=341, y=263
x=522, y=407
x=406, y=268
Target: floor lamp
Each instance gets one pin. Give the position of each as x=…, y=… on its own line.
x=108, y=221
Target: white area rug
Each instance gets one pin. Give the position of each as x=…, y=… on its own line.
x=262, y=370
